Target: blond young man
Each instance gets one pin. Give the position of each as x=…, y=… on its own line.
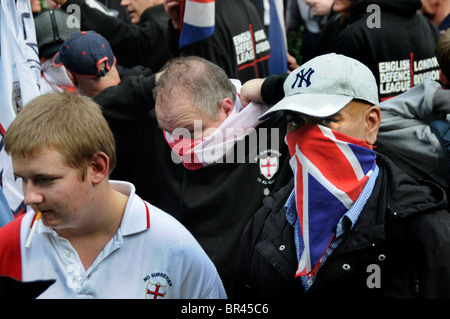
x=96, y=237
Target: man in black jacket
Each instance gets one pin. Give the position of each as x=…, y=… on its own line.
x=91, y=63
x=212, y=197
x=143, y=43
x=239, y=44
x=214, y=201
x=350, y=223
x=390, y=37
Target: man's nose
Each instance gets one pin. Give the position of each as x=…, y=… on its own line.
x=125, y=3
x=32, y=195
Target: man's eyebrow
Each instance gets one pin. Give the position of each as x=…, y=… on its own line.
x=16, y=176
x=38, y=175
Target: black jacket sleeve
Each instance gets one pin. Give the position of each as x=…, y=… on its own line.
x=272, y=88
x=131, y=100
x=144, y=44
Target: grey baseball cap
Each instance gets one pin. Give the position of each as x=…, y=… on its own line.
x=51, y=31
x=326, y=84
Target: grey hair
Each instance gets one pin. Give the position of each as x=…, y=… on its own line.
x=206, y=83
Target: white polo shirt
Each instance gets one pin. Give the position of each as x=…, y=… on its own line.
x=151, y=256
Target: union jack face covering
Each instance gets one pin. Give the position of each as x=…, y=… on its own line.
x=330, y=171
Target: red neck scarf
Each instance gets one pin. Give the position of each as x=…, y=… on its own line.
x=198, y=153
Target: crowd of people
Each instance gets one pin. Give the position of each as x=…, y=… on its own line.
x=159, y=171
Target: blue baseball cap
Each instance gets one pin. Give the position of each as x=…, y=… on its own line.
x=83, y=53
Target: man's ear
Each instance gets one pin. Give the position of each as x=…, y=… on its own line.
x=373, y=121
x=72, y=78
x=99, y=166
x=226, y=107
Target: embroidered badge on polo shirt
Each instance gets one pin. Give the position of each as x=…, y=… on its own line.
x=157, y=286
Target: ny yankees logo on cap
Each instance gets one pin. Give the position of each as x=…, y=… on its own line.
x=303, y=77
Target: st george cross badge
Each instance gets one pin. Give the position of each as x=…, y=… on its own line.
x=268, y=166
x=155, y=291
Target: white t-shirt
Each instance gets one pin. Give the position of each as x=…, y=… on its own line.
x=151, y=256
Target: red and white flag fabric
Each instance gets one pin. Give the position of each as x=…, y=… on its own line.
x=196, y=153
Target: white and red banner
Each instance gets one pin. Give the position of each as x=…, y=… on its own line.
x=19, y=84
